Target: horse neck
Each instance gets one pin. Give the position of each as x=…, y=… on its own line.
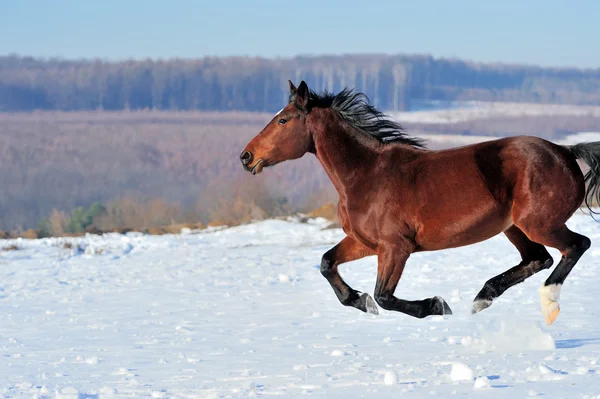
x=345, y=153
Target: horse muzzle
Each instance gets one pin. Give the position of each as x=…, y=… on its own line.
x=246, y=159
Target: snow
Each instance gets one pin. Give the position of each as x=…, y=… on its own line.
x=581, y=137
x=461, y=372
x=244, y=311
x=477, y=110
x=390, y=378
x=453, y=140
x=481, y=382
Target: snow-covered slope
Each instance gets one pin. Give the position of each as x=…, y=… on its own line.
x=244, y=311
x=581, y=137
x=474, y=110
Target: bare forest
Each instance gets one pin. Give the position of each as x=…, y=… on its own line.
x=393, y=82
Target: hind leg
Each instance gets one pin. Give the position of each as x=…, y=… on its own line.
x=534, y=259
x=571, y=245
x=347, y=250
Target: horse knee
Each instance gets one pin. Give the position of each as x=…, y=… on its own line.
x=544, y=260
x=327, y=265
x=585, y=244
x=541, y=257
x=579, y=247
x=547, y=263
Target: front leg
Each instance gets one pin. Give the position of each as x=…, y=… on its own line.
x=391, y=261
x=347, y=250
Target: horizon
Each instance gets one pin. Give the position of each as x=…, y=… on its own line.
x=291, y=57
x=538, y=33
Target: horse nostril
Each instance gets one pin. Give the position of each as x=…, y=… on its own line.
x=246, y=157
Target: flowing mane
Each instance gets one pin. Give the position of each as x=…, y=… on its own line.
x=356, y=109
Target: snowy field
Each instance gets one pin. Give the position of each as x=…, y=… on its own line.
x=244, y=312
x=474, y=110
x=442, y=141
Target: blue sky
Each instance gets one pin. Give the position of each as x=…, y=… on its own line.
x=545, y=32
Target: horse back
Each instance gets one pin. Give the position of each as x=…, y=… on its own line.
x=464, y=195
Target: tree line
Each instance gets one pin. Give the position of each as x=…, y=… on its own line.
x=393, y=82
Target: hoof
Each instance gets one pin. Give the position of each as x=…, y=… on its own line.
x=439, y=306
x=369, y=304
x=549, y=295
x=553, y=310
x=479, y=305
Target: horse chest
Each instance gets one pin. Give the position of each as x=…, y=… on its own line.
x=352, y=228
x=343, y=216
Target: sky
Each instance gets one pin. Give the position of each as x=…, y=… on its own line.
x=542, y=32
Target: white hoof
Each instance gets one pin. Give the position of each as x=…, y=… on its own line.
x=480, y=304
x=549, y=295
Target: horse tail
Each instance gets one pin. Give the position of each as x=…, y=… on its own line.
x=590, y=154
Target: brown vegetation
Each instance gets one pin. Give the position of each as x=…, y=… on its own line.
x=31, y=234
x=176, y=167
x=327, y=211
x=128, y=212
x=241, y=204
x=189, y=160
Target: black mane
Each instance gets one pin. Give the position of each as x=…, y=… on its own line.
x=357, y=110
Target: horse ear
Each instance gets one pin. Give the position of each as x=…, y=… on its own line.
x=292, y=88
x=302, y=95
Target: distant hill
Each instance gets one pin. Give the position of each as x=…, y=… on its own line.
x=393, y=82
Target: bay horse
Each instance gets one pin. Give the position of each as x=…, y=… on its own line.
x=396, y=197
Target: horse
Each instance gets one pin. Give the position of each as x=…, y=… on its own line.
x=396, y=197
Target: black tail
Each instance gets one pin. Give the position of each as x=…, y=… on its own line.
x=590, y=154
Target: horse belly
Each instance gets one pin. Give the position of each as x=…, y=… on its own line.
x=463, y=228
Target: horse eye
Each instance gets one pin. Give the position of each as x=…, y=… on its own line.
x=282, y=121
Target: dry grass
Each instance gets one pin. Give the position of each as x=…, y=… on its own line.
x=175, y=166
x=30, y=234
x=129, y=212
x=327, y=211
x=187, y=159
